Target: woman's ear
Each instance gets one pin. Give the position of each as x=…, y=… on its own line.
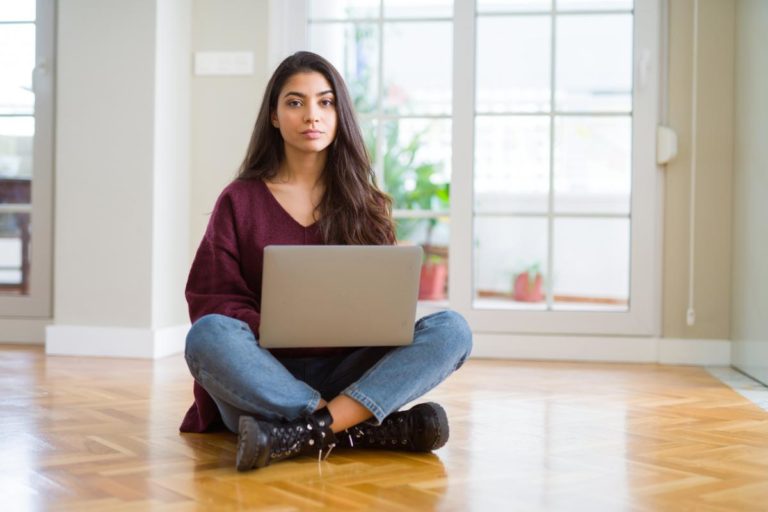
x=273, y=117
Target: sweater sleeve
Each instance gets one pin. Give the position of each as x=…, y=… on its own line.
x=215, y=283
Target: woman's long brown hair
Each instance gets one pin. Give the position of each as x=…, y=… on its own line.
x=353, y=210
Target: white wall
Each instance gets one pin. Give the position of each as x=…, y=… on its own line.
x=714, y=173
x=749, y=306
x=122, y=188
x=224, y=108
x=104, y=163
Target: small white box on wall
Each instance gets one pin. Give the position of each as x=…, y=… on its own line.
x=223, y=63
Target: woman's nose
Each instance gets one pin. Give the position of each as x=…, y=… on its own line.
x=311, y=115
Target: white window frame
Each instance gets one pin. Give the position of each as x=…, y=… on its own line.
x=37, y=303
x=289, y=33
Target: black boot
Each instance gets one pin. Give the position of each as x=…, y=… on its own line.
x=261, y=443
x=422, y=428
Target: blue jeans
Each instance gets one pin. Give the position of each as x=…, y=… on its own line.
x=225, y=358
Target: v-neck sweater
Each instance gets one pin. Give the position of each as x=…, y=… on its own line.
x=225, y=277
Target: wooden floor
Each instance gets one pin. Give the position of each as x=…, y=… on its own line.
x=101, y=434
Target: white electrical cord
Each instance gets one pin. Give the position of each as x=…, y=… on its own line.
x=690, y=315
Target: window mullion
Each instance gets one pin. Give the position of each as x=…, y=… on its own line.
x=549, y=281
x=461, y=266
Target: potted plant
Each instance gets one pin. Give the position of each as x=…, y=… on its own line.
x=528, y=284
x=412, y=184
x=417, y=187
x=433, y=279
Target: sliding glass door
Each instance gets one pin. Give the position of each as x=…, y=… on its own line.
x=517, y=139
x=560, y=222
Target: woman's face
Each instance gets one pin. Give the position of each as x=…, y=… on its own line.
x=306, y=113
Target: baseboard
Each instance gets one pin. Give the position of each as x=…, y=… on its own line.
x=694, y=352
x=603, y=349
x=23, y=330
x=751, y=357
x=78, y=340
x=153, y=344
x=170, y=340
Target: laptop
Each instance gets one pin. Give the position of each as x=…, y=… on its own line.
x=339, y=295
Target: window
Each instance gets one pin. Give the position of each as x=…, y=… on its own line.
x=26, y=42
x=396, y=57
x=553, y=154
x=517, y=136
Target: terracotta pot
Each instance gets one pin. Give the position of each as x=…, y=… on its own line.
x=527, y=291
x=432, y=281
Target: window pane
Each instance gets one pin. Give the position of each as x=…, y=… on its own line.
x=353, y=50
x=17, y=10
x=594, y=63
x=17, y=60
x=417, y=163
x=14, y=247
x=418, y=68
x=433, y=235
x=591, y=264
x=16, y=135
x=593, y=164
x=513, y=5
x=510, y=262
x=570, y=5
x=418, y=8
x=368, y=128
x=343, y=9
x=511, y=164
x=513, y=64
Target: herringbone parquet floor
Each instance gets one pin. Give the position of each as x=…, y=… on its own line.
x=101, y=434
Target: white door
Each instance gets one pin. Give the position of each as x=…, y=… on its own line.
x=558, y=214
x=518, y=141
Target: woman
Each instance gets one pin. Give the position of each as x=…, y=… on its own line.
x=306, y=179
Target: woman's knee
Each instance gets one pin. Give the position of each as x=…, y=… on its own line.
x=455, y=333
x=461, y=333
x=208, y=329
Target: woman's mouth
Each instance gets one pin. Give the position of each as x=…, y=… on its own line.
x=312, y=134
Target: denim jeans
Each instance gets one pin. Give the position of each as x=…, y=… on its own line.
x=225, y=358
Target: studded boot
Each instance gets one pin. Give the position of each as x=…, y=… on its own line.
x=423, y=428
x=261, y=443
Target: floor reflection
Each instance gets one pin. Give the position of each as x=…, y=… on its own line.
x=102, y=434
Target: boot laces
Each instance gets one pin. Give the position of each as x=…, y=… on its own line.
x=292, y=439
x=287, y=440
x=393, y=431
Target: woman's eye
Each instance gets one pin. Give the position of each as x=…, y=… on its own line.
x=327, y=103
x=294, y=103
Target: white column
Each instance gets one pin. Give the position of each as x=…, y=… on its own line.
x=122, y=178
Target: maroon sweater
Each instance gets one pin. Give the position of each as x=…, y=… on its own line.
x=225, y=277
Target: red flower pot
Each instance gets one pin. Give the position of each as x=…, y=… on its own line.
x=432, y=281
x=527, y=290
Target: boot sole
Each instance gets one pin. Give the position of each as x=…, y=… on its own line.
x=252, y=445
x=436, y=414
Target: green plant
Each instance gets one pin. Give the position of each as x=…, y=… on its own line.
x=412, y=185
x=433, y=259
x=532, y=270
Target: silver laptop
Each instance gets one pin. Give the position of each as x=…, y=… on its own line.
x=339, y=295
